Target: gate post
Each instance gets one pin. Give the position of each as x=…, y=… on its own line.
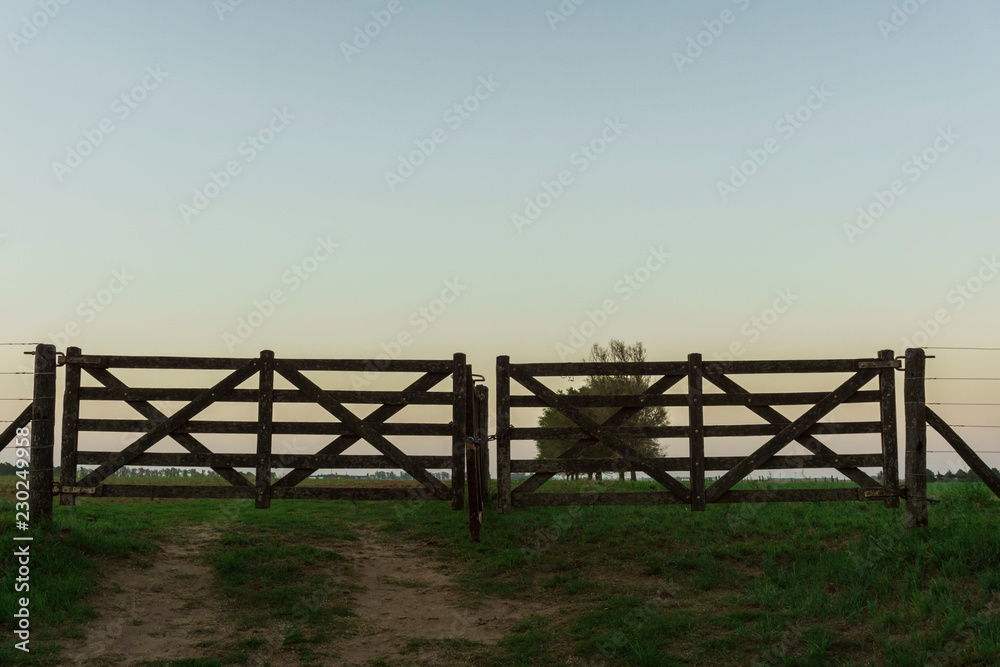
x=265, y=429
x=459, y=432
x=503, y=435
x=916, y=439
x=70, y=432
x=696, y=433
x=42, y=435
x=890, y=445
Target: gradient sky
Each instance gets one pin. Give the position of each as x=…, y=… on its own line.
x=892, y=94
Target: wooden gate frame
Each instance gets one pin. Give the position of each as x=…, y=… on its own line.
x=181, y=425
x=782, y=430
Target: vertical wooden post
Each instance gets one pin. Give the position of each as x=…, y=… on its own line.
x=42, y=435
x=890, y=448
x=472, y=460
x=70, y=434
x=696, y=437
x=503, y=435
x=265, y=428
x=483, y=398
x=916, y=439
x=460, y=432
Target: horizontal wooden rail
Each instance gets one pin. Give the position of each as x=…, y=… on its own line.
x=805, y=366
x=242, y=427
x=682, y=463
x=280, y=396
x=374, y=365
x=580, y=368
x=185, y=459
x=249, y=492
x=228, y=363
x=716, y=431
x=681, y=400
x=664, y=498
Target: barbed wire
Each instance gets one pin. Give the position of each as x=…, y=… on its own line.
x=987, y=379
x=980, y=349
x=930, y=403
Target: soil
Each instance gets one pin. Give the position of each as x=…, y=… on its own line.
x=171, y=608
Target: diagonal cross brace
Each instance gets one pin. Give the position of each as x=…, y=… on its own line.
x=771, y=415
x=605, y=435
x=532, y=484
x=379, y=415
x=185, y=440
x=337, y=409
x=790, y=433
x=165, y=428
x=988, y=477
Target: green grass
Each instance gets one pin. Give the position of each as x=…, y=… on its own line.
x=777, y=584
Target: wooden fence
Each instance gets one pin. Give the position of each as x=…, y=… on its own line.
x=182, y=426
x=918, y=417
x=615, y=431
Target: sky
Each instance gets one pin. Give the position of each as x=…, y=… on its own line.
x=487, y=178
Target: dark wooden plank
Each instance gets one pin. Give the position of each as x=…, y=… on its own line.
x=146, y=409
x=191, y=363
x=887, y=414
x=807, y=440
x=634, y=498
x=606, y=435
x=298, y=493
x=683, y=463
x=715, y=431
x=265, y=428
x=250, y=396
x=696, y=433
x=213, y=460
x=503, y=435
x=804, y=366
x=978, y=466
x=616, y=420
x=70, y=434
x=22, y=420
x=791, y=495
x=916, y=439
x=789, y=433
x=575, y=433
x=472, y=459
x=363, y=429
x=250, y=427
x=710, y=400
x=42, y=436
x=421, y=384
x=372, y=365
x=579, y=368
x=461, y=377
x=165, y=428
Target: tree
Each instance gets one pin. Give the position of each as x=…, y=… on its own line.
x=606, y=385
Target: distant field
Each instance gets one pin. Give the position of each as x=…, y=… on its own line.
x=781, y=584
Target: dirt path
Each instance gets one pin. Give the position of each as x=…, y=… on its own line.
x=408, y=595
x=156, y=612
x=172, y=609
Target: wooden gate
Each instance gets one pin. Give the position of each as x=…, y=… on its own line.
x=614, y=431
x=182, y=427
